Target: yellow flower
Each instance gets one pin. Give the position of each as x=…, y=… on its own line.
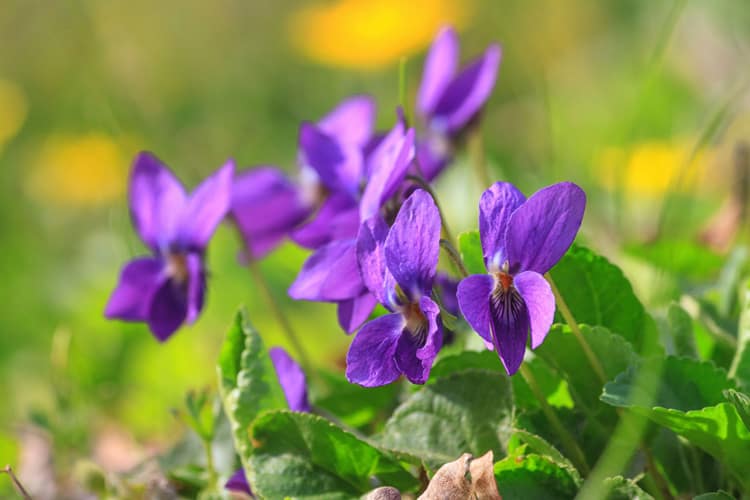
x=81, y=171
x=653, y=168
x=12, y=111
x=368, y=34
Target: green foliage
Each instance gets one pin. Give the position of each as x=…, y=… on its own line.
x=740, y=369
x=301, y=455
x=470, y=248
x=466, y=412
x=681, y=258
x=597, y=293
x=563, y=352
x=689, y=402
x=521, y=477
x=681, y=333
x=542, y=447
x=621, y=488
x=354, y=405
x=247, y=381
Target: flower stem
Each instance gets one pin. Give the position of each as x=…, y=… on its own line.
x=281, y=318
x=570, y=320
x=422, y=183
x=212, y=476
x=16, y=483
x=569, y=443
x=455, y=257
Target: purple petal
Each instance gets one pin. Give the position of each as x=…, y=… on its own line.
x=467, y=93
x=509, y=324
x=439, y=68
x=540, y=301
x=168, y=310
x=370, y=361
x=413, y=360
x=238, y=482
x=156, y=200
x=265, y=207
x=352, y=313
x=196, y=289
x=474, y=300
x=206, y=207
x=434, y=340
x=448, y=288
x=433, y=155
x=352, y=121
x=371, y=255
x=337, y=218
x=331, y=273
x=291, y=378
x=388, y=165
x=413, y=244
x=495, y=208
x=542, y=229
x=139, y=280
x=339, y=166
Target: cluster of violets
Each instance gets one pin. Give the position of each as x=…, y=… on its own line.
x=361, y=203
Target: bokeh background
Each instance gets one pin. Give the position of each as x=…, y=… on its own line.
x=642, y=103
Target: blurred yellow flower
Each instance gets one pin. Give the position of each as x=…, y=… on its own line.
x=12, y=110
x=368, y=34
x=653, y=168
x=81, y=171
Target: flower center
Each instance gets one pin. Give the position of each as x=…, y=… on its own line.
x=416, y=322
x=504, y=280
x=177, y=267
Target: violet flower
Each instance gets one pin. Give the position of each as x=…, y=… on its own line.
x=267, y=206
x=449, y=100
x=521, y=240
x=331, y=273
x=168, y=288
x=398, y=267
x=293, y=383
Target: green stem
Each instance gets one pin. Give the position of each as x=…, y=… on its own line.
x=454, y=256
x=569, y=443
x=281, y=318
x=422, y=183
x=570, y=320
x=213, y=477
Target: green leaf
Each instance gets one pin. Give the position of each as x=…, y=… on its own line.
x=533, y=476
x=562, y=351
x=741, y=402
x=621, y=488
x=714, y=495
x=680, y=326
x=247, y=381
x=467, y=412
x=301, y=455
x=551, y=385
x=542, y=447
x=465, y=360
x=354, y=405
x=740, y=369
x=685, y=384
x=597, y=293
x=687, y=401
x=470, y=248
